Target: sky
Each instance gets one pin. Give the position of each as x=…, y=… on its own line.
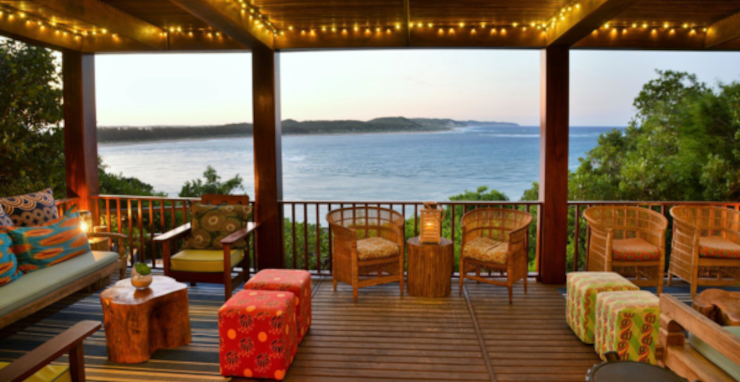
x=484, y=85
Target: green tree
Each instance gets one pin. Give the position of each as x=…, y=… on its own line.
x=31, y=139
x=211, y=184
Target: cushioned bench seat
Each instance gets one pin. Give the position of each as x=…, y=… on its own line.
x=716, y=357
x=49, y=373
x=30, y=287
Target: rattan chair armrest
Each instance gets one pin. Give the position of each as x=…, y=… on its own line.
x=239, y=234
x=732, y=235
x=174, y=234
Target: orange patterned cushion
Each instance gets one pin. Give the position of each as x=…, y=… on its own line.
x=718, y=248
x=487, y=250
x=376, y=248
x=634, y=249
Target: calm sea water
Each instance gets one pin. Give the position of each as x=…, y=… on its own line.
x=429, y=166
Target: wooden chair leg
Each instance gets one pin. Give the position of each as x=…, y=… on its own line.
x=511, y=294
x=335, y=284
x=77, y=363
x=354, y=292
x=462, y=274
x=227, y=285
x=525, y=284
x=694, y=286
x=670, y=278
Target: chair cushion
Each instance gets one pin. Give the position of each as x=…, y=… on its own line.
x=487, y=250
x=634, y=249
x=718, y=248
x=8, y=263
x=203, y=260
x=212, y=223
x=30, y=287
x=30, y=210
x=41, y=247
x=716, y=357
x=376, y=248
x=49, y=373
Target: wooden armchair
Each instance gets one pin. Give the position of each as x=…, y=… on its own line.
x=629, y=241
x=367, y=241
x=495, y=239
x=706, y=246
x=209, y=266
x=69, y=341
x=674, y=352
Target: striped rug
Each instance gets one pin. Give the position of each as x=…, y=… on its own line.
x=197, y=362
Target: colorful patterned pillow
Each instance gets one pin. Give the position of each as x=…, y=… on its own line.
x=8, y=263
x=5, y=220
x=41, y=247
x=213, y=223
x=30, y=210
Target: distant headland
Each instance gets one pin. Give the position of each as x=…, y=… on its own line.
x=290, y=127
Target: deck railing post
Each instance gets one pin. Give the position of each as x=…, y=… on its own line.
x=80, y=129
x=554, y=94
x=268, y=173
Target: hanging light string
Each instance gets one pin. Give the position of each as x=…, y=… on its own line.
x=63, y=31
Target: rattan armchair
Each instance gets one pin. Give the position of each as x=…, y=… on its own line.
x=367, y=247
x=629, y=241
x=706, y=246
x=495, y=239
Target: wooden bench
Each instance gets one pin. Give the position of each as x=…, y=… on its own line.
x=674, y=351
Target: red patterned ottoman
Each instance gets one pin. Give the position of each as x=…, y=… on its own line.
x=298, y=282
x=258, y=335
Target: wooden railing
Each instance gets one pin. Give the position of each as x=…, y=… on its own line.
x=581, y=233
x=308, y=240
x=142, y=218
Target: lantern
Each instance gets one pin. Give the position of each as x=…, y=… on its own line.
x=86, y=223
x=431, y=223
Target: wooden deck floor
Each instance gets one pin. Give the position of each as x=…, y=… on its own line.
x=476, y=337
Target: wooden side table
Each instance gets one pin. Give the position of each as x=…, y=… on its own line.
x=430, y=268
x=720, y=306
x=139, y=322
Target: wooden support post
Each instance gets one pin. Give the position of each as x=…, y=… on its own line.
x=268, y=168
x=80, y=128
x=554, y=93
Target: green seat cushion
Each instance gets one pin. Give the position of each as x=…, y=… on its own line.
x=203, y=260
x=714, y=356
x=50, y=373
x=34, y=285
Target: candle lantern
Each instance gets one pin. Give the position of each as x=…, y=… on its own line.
x=431, y=223
x=86, y=222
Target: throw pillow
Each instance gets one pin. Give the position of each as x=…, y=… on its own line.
x=211, y=224
x=8, y=263
x=30, y=210
x=41, y=247
x=5, y=219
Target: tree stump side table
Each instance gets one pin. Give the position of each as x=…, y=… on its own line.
x=720, y=306
x=139, y=322
x=430, y=268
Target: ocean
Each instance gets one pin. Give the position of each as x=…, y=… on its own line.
x=383, y=167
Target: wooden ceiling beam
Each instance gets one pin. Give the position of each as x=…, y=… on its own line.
x=407, y=15
x=21, y=29
x=229, y=19
x=112, y=19
x=723, y=31
x=584, y=19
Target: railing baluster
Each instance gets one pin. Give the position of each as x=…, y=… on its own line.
x=331, y=243
x=416, y=223
x=318, y=240
x=131, y=232
x=107, y=215
x=151, y=233
x=305, y=235
x=575, y=254
x=140, y=226
x=295, y=260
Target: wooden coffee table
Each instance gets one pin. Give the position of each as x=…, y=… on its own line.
x=138, y=322
x=430, y=268
x=720, y=306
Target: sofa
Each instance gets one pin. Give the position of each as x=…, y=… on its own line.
x=37, y=290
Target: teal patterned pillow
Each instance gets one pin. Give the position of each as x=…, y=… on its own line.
x=4, y=219
x=30, y=210
x=41, y=247
x=8, y=263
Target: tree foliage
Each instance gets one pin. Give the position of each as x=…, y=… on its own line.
x=31, y=139
x=211, y=184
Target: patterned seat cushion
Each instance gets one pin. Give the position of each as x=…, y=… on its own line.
x=718, y=248
x=212, y=223
x=487, y=250
x=5, y=220
x=376, y=248
x=30, y=210
x=627, y=322
x=634, y=249
x=41, y=247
